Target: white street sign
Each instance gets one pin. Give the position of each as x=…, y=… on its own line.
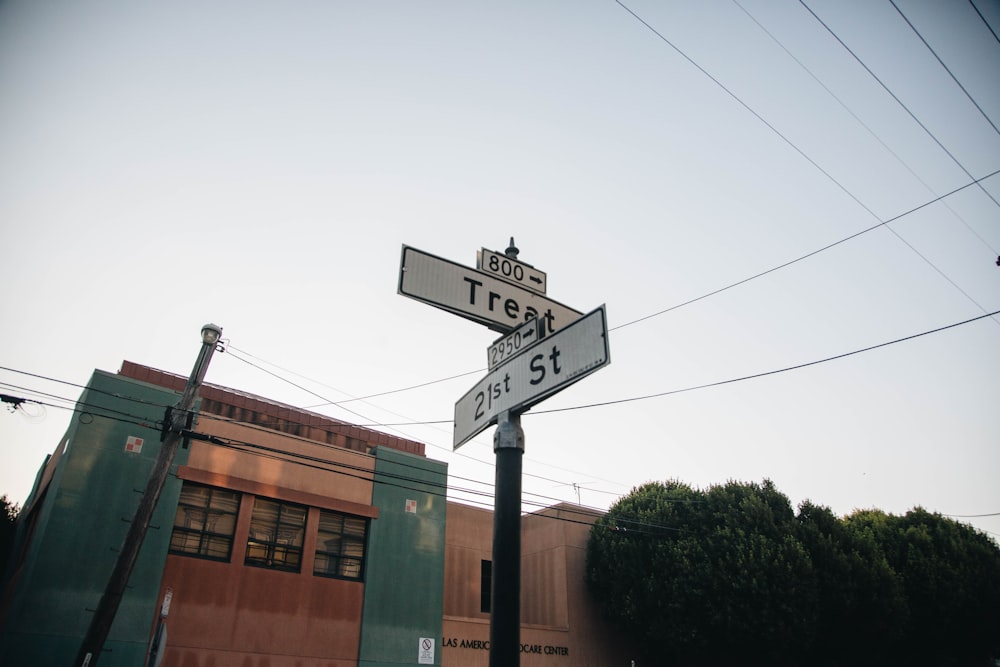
x=476, y=295
x=514, y=343
x=548, y=366
x=511, y=270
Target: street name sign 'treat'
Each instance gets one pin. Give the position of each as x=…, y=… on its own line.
x=511, y=270
x=476, y=295
x=548, y=366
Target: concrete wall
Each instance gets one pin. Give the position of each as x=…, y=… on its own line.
x=560, y=625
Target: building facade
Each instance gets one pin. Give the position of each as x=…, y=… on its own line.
x=283, y=538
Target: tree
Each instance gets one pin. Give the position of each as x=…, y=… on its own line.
x=712, y=577
x=862, y=605
x=731, y=576
x=8, y=515
x=951, y=578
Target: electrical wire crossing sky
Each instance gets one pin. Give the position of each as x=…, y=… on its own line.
x=789, y=210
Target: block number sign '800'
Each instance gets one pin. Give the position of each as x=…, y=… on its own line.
x=512, y=270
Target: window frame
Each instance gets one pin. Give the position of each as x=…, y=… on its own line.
x=273, y=543
x=486, y=587
x=337, y=560
x=182, y=534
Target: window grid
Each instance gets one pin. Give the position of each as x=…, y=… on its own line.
x=340, y=546
x=276, y=533
x=205, y=522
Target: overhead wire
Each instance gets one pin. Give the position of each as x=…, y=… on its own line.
x=146, y=423
x=985, y=22
x=978, y=181
x=804, y=155
x=805, y=256
x=778, y=133
x=772, y=372
x=898, y=101
x=944, y=66
x=82, y=407
x=464, y=455
x=874, y=135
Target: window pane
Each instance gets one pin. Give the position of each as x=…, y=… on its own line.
x=276, y=533
x=205, y=522
x=340, y=547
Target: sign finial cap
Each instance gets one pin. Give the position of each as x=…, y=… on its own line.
x=512, y=250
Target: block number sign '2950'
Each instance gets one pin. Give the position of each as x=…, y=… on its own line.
x=514, y=343
x=541, y=370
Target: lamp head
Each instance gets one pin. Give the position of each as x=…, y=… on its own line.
x=210, y=334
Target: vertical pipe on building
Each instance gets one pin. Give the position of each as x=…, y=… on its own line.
x=505, y=618
x=104, y=616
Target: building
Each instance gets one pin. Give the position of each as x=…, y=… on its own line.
x=284, y=538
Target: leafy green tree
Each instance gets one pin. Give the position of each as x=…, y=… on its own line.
x=862, y=607
x=951, y=578
x=714, y=577
x=8, y=514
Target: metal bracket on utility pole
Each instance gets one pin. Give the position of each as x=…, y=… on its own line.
x=509, y=433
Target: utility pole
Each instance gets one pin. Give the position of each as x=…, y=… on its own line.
x=505, y=616
x=100, y=625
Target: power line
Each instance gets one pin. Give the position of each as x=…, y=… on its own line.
x=84, y=408
x=805, y=256
x=985, y=22
x=767, y=373
x=942, y=63
x=449, y=450
x=802, y=153
x=896, y=98
x=862, y=123
x=352, y=398
x=750, y=109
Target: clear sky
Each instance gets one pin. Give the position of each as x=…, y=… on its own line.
x=260, y=165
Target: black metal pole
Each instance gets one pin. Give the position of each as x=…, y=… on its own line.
x=100, y=624
x=505, y=619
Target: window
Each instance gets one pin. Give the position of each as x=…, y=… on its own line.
x=205, y=522
x=276, y=531
x=340, y=547
x=485, y=586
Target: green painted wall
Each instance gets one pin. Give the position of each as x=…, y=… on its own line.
x=83, y=518
x=404, y=581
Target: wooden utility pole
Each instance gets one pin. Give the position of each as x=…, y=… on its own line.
x=104, y=616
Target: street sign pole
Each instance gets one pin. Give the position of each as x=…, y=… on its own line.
x=546, y=347
x=505, y=616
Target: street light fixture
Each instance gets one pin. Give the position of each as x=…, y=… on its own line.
x=210, y=334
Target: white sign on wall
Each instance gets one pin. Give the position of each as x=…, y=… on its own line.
x=425, y=651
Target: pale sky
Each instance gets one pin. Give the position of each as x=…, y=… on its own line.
x=260, y=165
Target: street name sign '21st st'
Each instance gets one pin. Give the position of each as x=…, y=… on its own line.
x=546, y=367
x=476, y=295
